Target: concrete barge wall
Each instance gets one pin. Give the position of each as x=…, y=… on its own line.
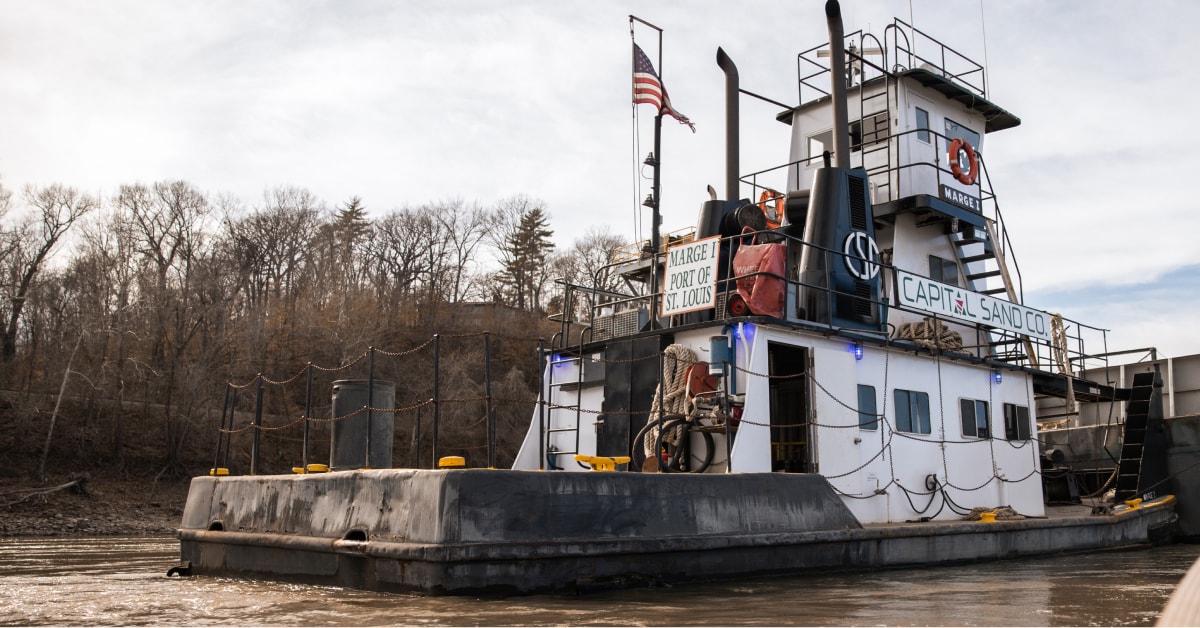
x=511, y=531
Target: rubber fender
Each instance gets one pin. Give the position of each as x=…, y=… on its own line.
x=180, y=570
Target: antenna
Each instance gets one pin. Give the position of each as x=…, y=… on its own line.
x=856, y=56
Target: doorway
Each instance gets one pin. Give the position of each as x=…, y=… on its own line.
x=789, y=408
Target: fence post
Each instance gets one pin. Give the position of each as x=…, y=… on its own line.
x=258, y=407
x=487, y=376
x=415, y=451
x=229, y=436
x=221, y=430
x=437, y=406
x=307, y=414
x=370, y=402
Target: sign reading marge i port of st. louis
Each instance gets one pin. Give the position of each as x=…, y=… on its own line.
x=690, y=281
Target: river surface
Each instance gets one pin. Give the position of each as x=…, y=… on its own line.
x=107, y=581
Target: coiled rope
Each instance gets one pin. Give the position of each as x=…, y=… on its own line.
x=670, y=397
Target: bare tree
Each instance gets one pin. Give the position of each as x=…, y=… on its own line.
x=587, y=264
x=464, y=227
x=403, y=252
x=55, y=208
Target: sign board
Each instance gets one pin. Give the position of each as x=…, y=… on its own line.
x=920, y=293
x=960, y=198
x=690, y=281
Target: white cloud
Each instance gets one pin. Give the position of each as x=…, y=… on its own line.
x=404, y=103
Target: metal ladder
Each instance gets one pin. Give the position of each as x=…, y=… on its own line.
x=550, y=429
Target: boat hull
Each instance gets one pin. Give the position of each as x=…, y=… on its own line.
x=486, y=531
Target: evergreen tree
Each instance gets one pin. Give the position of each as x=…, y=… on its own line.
x=351, y=224
x=525, y=251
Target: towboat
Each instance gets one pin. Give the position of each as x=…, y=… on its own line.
x=834, y=370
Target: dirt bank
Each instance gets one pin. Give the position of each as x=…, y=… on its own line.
x=103, y=504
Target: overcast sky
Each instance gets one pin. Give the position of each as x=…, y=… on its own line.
x=405, y=103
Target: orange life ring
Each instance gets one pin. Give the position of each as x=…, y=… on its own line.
x=774, y=216
x=968, y=177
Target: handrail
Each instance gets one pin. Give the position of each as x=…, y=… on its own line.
x=1042, y=350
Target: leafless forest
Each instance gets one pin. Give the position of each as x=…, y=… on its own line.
x=127, y=317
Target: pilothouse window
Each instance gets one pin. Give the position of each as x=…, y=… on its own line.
x=817, y=145
x=943, y=270
x=870, y=130
x=956, y=131
x=922, y=125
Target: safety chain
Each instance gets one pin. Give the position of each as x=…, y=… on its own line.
x=768, y=376
x=404, y=353
x=269, y=428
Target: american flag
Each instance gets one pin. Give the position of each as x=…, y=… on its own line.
x=649, y=90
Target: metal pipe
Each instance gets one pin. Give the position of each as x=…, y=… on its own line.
x=732, y=128
x=837, y=77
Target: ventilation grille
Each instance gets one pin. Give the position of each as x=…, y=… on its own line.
x=617, y=325
x=862, y=305
x=858, y=203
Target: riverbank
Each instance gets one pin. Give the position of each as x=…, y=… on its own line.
x=95, y=504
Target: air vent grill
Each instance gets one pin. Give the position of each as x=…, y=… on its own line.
x=862, y=305
x=858, y=203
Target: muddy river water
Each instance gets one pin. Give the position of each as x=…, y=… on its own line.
x=122, y=581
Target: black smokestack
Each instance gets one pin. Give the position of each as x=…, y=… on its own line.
x=837, y=74
x=732, y=142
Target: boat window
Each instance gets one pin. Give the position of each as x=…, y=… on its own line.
x=868, y=417
x=943, y=270
x=956, y=131
x=974, y=414
x=870, y=130
x=1016, y=422
x=922, y=125
x=912, y=411
x=817, y=145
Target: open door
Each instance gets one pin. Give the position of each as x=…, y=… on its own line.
x=789, y=408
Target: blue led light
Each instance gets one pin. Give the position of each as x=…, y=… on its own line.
x=997, y=376
x=858, y=351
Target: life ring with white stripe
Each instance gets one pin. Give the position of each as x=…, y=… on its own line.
x=958, y=148
x=774, y=215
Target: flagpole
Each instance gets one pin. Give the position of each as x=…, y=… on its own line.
x=655, y=191
x=649, y=88
x=655, y=219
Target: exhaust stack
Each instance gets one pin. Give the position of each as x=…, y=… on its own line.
x=732, y=140
x=837, y=75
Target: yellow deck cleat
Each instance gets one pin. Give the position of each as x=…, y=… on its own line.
x=603, y=463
